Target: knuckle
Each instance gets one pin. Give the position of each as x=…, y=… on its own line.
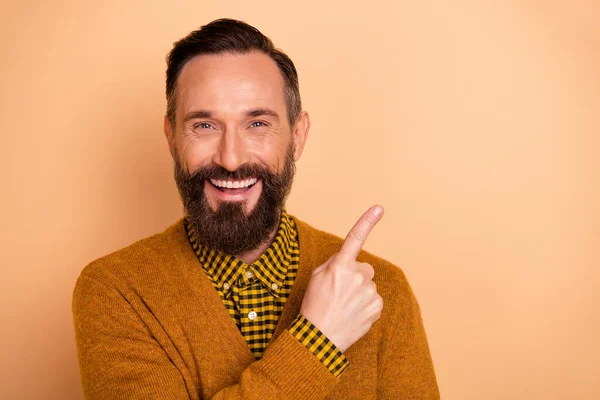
x=335, y=265
x=356, y=235
x=374, y=288
x=367, y=268
x=379, y=302
x=359, y=279
x=371, y=290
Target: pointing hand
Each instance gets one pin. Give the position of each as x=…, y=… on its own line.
x=341, y=298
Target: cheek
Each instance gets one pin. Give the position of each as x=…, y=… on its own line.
x=194, y=154
x=272, y=153
x=272, y=157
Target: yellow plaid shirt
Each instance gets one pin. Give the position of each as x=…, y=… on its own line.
x=255, y=294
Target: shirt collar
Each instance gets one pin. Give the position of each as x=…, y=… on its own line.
x=270, y=269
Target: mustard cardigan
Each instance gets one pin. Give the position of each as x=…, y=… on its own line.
x=150, y=325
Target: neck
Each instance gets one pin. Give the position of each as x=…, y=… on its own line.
x=253, y=255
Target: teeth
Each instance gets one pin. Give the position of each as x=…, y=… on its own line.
x=234, y=184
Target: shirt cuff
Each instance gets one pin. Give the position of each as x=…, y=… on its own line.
x=325, y=351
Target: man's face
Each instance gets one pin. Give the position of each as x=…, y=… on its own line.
x=233, y=147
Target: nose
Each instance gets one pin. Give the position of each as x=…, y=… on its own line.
x=232, y=152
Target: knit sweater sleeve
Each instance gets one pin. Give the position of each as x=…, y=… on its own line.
x=120, y=359
x=405, y=367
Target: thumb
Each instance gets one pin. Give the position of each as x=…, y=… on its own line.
x=323, y=266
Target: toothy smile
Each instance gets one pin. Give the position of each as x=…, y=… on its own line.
x=230, y=184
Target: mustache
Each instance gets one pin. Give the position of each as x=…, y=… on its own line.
x=244, y=171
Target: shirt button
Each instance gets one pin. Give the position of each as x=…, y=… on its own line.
x=225, y=286
x=252, y=315
x=274, y=286
x=249, y=274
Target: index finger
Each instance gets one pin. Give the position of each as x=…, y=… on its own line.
x=360, y=231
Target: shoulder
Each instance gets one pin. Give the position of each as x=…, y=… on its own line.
x=138, y=258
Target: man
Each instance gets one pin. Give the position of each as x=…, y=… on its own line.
x=239, y=299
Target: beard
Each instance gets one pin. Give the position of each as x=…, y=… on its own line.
x=230, y=229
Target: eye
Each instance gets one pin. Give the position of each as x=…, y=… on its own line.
x=202, y=125
x=257, y=124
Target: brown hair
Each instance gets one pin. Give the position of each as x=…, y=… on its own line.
x=230, y=36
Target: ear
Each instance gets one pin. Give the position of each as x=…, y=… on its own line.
x=169, y=134
x=300, y=133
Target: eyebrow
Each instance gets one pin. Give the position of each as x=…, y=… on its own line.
x=255, y=112
x=259, y=112
x=197, y=114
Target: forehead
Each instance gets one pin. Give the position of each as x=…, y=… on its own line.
x=230, y=83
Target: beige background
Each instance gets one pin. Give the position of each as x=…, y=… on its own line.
x=476, y=124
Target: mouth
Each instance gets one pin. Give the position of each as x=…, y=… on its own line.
x=244, y=190
x=233, y=186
